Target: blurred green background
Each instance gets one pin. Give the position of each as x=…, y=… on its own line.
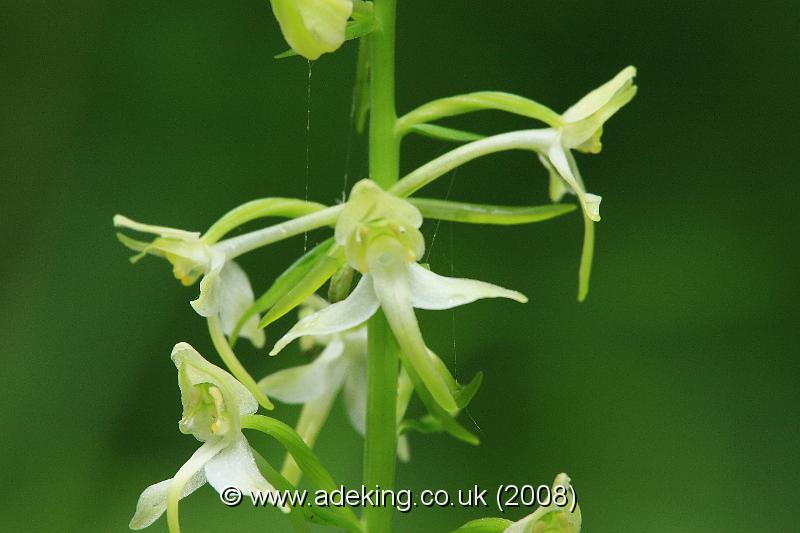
x=670, y=396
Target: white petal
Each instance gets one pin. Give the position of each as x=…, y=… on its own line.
x=235, y=466
x=153, y=501
x=209, y=302
x=236, y=298
x=193, y=368
x=432, y=291
x=560, y=161
x=341, y=316
x=307, y=382
x=391, y=273
x=355, y=395
x=121, y=221
x=156, y=498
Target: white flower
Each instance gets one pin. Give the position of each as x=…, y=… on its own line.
x=557, y=517
x=225, y=290
x=581, y=129
x=342, y=365
x=313, y=27
x=382, y=241
x=213, y=404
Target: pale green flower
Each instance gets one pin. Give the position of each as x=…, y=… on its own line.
x=213, y=404
x=581, y=129
x=225, y=289
x=552, y=518
x=313, y=27
x=382, y=241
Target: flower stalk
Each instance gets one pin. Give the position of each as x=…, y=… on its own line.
x=380, y=447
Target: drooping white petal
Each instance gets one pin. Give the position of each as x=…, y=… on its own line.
x=209, y=301
x=432, y=291
x=341, y=316
x=235, y=466
x=194, y=370
x=121, y=221
x=236, y=297
x=187, y=479
x=153, y=501
x=355, y=394
x=589, y=202
x=304, y=383
x=388, y=266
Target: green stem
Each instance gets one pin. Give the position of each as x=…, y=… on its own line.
x=380, y=447
x=380, y=450
x=384, y=144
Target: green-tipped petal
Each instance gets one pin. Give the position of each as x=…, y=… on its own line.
x=432, y=291
x=313, y=27
x=341, y=316
x=304, y=383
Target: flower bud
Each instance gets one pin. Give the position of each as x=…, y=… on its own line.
x=313, y=27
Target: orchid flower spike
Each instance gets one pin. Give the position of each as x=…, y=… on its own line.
x=225, y=289
x=558, y=517
x=313, y=27
x=381, y=237
x=213, y=404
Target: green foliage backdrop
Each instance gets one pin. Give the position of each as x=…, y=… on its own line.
x=670, y=396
